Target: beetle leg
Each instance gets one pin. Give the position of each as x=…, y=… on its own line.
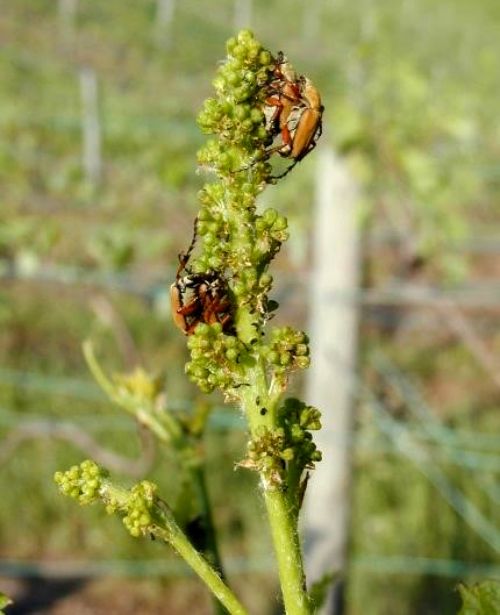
x=221, y=304
x=273, y=101
x=318, y=133
x=190, y=308
x=287, y=141
x=310, y=148
x=225, y=320
x=215, y=308
x=210, y=317
x=191, y=328
x=294, y=96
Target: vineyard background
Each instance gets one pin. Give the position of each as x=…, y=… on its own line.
x=98, y=173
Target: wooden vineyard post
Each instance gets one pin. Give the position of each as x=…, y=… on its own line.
x=91, y=126
x=242, y=15
x=333, y=330
x=165, y=11
x=67, y=10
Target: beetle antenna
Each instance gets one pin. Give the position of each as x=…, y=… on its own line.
x=185, y=256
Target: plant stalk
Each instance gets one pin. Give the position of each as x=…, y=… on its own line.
x=282, y=516
x=165, y=528
x=288, y=553
x=179, y=541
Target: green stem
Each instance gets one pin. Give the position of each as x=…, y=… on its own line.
x=201, y=567
x=170, y=434
x=288, y=554
x=281, y=512
x=165, y=527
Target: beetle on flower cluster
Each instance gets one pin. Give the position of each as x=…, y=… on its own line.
x=220, y=300
x=262, y=107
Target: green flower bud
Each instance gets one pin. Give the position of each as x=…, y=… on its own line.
x=287, y=454
x=242, y=93
x=239, y=51
x=250, y=78
x=212, y=379
x=218, y=83
x=302, y=349
x=260, y=224
x=224, y=161
x=241, y=112
x=265, y=58
x=209, y=239
x=232, y=354
x=280, y=223
x=230, y=45
x=233, y=78
x=302, y=362
x=145, y=519
x=254, y=50
x=246, y=37
x=297, y=433
x=285, y=358
x=73, y=473
x=247, y=125
x=257, y=116
x=274, y=357
x=270, y=216
x=200, y=372
x=263, y=135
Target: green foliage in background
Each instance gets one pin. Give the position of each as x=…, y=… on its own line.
x=413, y=108
x=411, y=90
x=480, y=599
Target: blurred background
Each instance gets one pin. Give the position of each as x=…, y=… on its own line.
x=98, y=173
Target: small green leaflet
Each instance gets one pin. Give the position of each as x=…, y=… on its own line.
x=480, y=599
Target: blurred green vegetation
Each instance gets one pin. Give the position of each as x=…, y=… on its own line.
x=411, y=90
x=480, y=599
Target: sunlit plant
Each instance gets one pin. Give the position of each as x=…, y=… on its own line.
x=261, y=111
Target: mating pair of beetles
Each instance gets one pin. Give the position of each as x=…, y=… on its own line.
x=293, y=112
